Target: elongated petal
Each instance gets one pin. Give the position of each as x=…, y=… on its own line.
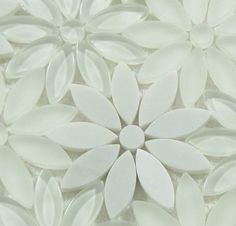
x=120, y=184
x=15, y=177
x=170, y=11
x=123, y=50
x=90, y=166
x=162, y=62
x=8, y=7
x=126, y=100
x=6, y=49
x=194, y=71
x=60, y=74
x=40, y=151
x=42, y=119
x=159, y=189
x=95, y=107
x=81, y=135
x=69, y=8
x=227, y=44
x=23, y=96
x=178, y=123
x=163, y=94
x=179, y=156
x=48, y=205
x=3, y=91
x=189, y=202
x=227, y=26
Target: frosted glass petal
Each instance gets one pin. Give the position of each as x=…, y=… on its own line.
x=117, y=223
x=3, y=91
x=8, y=7
x=3, y=134
x=69, y=8
x=227, y=26
x=227, y=44
x=6, y=49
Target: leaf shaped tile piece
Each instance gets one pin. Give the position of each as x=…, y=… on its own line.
x=93, y=69
x=153, y=214
x=120, y=184
x=34, y=56
x=69, y=8
x=42, y=119
x=48, y=204
x=90, y=166
x=155, y=179
x=60, y=74
x=178, y=156
x=156, y=66
x=80, y=136
x=21, y=98
x=178, y=123
x=189, y=202
x=85, y=207
x=6, y=49
x=40, y=152
x=95, y=107
x=117, y=18
x=8, y=7
x=15, y=177
x=123, y=50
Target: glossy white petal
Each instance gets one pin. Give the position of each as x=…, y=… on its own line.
x=117, y=223
x=126, y=100
x=170, y=11
x=6, y=49
x=48, y=205
x=24, y=95
x=155, y=179
x=34, y=56
x=117, y=18
x=69, y=8
x=120, y=185
x=90, y=167
x=15, y=177
x=81, y=135
x=163, y=94
x=60, y=74
x=40, y=152
x=3, y=134
x=160, y=63
x=93, y=69
x=178, y=156
x=178, y=123
x=95, y=107
x=42, y=119
x=227, y=44
x=193, y=77
x=117, y=48
x=146, y=212
x=8, y=7
x=227, y=26
x=154, y=34
x=85, y=207
x=189, y=202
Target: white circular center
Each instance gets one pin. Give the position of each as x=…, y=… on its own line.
x=132, y=137
x=202, y=36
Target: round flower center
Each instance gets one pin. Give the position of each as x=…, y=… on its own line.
x=202, y=36
x=132, y=137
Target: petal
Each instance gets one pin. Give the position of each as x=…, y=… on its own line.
x=148, y=212
x=60, y=74
x=179, y=156
x=95, y=107
x=156, y=66
x=8, y=7
x=34, y=56
x=178, y=123
x=154, y=34
x=81, y=135
x=196, y=10
x=194, y=71
x=161, y=189
x=217, y=142
x=69, y=8
x=13, y=172
x=126, y=100
x=40, y=152
x=122, y=16
x=117, y=223
x=223, y=212
x=189, y=202
x=48, y=206
x=117, y=48
x=218, y=11
x=227, y=26
x=6, y=49
x=170, y=11
x=163, y=94
x=85, y=207
x=3, y=91
x=90, y=166
x=120, y=184
x=42, y=119
x=21, y=99
x=3, y=134
x=227, y=44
